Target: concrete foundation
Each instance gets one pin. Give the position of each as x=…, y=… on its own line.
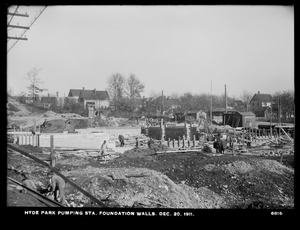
x=88, y=140
x=155, y=133
x=114, y=132
x=175, y=132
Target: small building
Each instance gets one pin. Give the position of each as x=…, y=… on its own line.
x=240, y=119
x=217, y=114
x=197, y=114
x=259, y=103
x=29, y=100
x=47, y=102
x=74, y=93
x=94, y=100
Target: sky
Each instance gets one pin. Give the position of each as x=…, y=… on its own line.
x=174, y=49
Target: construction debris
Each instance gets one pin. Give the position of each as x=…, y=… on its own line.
x=253, y=171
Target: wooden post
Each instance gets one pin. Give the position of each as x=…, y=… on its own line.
x=25, y=139
x=14, y=135
x=169, y=142
x=173, y=143
x=243, y=136
x=178, y=141
x=183, y=142
x=34, y=126
x=52, y=155
x=38, y=140
x=194, y=139
x=188, y=143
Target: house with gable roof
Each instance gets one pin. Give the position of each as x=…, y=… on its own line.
x=74, y=94
x=260, y=104
x=94, y=98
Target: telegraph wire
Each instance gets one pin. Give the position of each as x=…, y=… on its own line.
x=38, y=15
x=13, y=15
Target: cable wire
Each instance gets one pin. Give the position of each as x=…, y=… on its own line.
x=38, y=15
x=13, y=15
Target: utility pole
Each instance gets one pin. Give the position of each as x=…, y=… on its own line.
x=162, y=102
x=17, y=26
x=211, y=101
x=279, y=111
x=25, y=28
x=224, y=116
x=225, y=100
x=271, y=120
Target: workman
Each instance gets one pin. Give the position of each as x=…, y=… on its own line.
x=121, y=139
x=150, y=143
x=137, y=143
x=57, y=184
x=103, y=148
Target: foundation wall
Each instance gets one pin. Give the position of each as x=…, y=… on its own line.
x=114, y=132
x=175, y=132
x=88, y=140
x=155, y=132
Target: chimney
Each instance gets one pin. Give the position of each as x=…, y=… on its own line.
x=258, y=92
x=56, y=93
x=94, y=91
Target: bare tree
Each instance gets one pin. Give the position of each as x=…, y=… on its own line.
x=246, y=97
x=154, y=94
x=116, y=84
x=134, y=87
x=34, y=88
x=175, y=95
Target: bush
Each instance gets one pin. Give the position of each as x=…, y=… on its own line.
x=12, y=108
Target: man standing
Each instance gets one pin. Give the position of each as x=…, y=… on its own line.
x=103, y=148
x=137, y=143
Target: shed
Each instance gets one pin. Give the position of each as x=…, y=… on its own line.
x=240, y=119
x=197, y=114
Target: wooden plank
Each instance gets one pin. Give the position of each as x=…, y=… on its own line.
x=286, y=134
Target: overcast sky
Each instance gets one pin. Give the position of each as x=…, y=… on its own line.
x=176, y=49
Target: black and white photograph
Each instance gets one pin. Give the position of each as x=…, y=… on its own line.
x=150, y=110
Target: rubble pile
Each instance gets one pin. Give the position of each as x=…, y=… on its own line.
x=141, y=186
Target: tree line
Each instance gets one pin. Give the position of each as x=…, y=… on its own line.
x=126, y=98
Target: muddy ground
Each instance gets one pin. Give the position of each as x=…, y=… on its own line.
x=172, y=180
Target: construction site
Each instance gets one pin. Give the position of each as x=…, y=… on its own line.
x=189, y=164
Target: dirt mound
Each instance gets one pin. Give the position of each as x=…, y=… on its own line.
x=273, y=166
x=145, y=151
x=237, y=167
x=239, y=180
x=15, y=108
x=145, y=187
